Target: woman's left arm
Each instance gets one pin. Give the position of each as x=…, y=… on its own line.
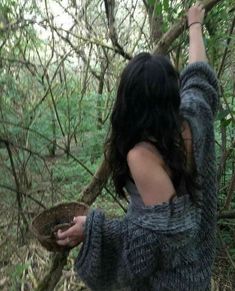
x=119, y=253
x=114, y=252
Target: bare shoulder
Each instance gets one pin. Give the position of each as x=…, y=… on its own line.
x=142, y=151
x=151, y=178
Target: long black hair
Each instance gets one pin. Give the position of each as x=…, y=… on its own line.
x=147, y=109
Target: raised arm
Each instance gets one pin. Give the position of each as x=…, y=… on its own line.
x=197, y=51
x=199, y=87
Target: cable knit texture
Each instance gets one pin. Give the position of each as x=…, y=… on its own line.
x=169, y=246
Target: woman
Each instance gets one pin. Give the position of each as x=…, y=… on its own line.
x=161, y=148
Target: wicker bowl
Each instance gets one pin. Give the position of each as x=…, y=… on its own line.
x=45, y=225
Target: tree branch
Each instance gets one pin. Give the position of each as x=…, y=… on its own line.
x=18, y=191
x=170, y=36
x=231, y=190
x=109, y=8
x=155, y=22
x=226, y=214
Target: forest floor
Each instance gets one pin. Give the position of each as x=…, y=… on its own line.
x=24, y=264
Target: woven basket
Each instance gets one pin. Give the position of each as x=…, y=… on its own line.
x=50, y=220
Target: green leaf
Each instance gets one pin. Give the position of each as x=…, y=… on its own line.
x=166, y=5
x=225, y=122
x=222, y=114
x=1, y=25
x=151, y=2
x=158, y=10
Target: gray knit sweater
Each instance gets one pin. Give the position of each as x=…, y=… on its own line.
x=169, y=246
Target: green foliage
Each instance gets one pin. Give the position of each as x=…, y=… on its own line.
x=166, y=5
x=151, y=2
x=16, y=273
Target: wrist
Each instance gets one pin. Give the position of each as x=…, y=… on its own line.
x=195, y=24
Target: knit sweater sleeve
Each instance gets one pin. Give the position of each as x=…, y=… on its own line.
x=121, y=253
x=199, y=101
x=115, y=253
x=199, y=89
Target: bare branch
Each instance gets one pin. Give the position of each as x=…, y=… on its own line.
x=155, y=21
x=109, y=8
x=167, y=39
x=231, y=190
x=18, y=191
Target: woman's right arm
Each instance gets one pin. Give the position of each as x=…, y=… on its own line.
x=197, y=52
x=198, y=82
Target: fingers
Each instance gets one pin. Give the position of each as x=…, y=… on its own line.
x=74, y=235
x=69, y=232
x=200, y=5
x=63, y=242
x=79, y=219
x=76, y=219
x=196, y=13
x=67, y=242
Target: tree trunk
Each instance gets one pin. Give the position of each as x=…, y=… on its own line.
x=155, y=21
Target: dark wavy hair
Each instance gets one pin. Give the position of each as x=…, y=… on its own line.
x=147, y=109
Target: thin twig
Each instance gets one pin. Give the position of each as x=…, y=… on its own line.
x=226, y=250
